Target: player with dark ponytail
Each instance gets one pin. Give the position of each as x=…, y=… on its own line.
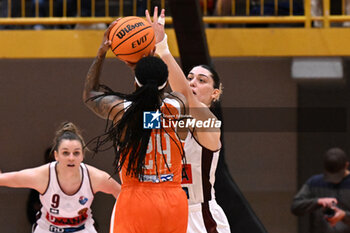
x=127, y=134
x=66, y=186
x=202, y=89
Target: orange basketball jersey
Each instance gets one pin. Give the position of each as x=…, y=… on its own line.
x=164, y=153
x=155, y=202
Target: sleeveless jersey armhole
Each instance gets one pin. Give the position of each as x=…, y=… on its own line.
x=49, y=181
x=192, y=135
x=88, y=177
x=174, y=103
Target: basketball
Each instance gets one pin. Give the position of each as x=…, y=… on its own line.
x=132, y=38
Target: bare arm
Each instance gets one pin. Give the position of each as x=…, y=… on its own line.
x=103, y=182
x=180, y=98
x=210, y=138
x=101, y=106
x=178, y=82
x=34, y=178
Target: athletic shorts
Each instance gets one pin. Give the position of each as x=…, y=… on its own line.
x=150, y=210
x=207, y=218
x=81, y=229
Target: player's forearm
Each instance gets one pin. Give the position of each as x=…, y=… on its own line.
x=92, y=81
x=177, y=78
x=11, y=179
x=178, y=82
x=92, y=85
x=94, y=99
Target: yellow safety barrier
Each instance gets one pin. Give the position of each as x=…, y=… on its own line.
x=281, y=41
x=216, y=17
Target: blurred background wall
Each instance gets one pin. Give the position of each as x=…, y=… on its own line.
x=270, y=150
x=37, y=95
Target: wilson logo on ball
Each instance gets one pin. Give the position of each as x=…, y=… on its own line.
x=128, y=29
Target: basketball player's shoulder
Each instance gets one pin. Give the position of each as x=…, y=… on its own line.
x=178, y=97
x=181, y=99
x=95, y=173
x=40, y=176
x=43, y=170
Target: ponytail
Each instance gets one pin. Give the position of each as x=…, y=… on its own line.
x=67, y=131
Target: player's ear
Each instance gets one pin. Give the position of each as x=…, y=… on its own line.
x=55, y=154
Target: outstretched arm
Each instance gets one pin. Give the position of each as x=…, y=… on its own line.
x=178, y=82
x=101, y=106
x=34, y=178
x=177, y=78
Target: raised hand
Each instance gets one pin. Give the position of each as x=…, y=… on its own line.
x=106, y=43
x=157, y=23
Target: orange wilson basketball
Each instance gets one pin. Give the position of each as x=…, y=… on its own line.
x=132, y=38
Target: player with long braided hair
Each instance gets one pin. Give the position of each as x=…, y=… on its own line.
x=149, y=160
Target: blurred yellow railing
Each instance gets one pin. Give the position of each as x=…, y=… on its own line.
x=224, y=12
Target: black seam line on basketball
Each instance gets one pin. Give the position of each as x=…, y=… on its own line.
x=133, y=17
x=122, y=54
x=130, y=37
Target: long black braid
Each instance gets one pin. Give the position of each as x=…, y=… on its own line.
x=127, y=136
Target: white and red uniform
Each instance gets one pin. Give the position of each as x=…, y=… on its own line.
x=66, y=213
x=205, y=215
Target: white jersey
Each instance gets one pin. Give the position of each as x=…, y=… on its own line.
x=198, y=181
x=205, y=215
x=61, y=212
